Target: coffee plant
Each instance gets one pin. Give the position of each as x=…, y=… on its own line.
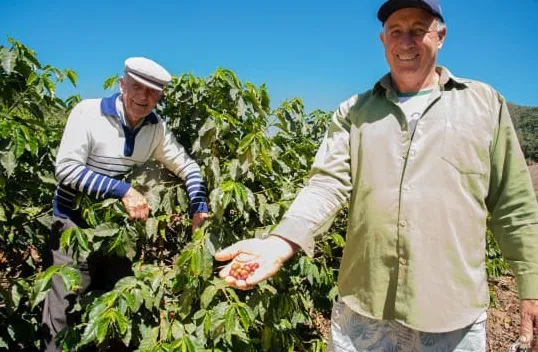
x=254, y=160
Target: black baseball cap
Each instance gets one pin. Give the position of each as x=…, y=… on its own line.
x=391, y=6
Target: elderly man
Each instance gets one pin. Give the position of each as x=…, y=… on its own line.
x=423, y=157
x=103, y=139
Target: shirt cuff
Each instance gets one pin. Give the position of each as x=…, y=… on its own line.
x=120, y=190
x=199, y=207
x=298, y=231
x=527, y=286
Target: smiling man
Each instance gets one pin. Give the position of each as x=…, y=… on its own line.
x=102, y=141
x=425, y=159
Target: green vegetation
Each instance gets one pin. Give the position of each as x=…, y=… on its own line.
x=526, y=121
x=174, y=301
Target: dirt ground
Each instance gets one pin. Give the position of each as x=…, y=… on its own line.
x=503, y=319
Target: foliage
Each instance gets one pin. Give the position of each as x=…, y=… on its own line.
x=254, y=161
x=31, y=118
x=526, y=124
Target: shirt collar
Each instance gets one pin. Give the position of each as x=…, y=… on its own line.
x=108, y=107
x=446, y=81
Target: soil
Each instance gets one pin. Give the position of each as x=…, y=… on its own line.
x=503, y=318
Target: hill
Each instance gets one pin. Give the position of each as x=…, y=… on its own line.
x=525, y=120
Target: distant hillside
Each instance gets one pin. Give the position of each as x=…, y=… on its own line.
x=526, y=122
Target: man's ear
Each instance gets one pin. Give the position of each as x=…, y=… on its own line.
x=442, y=36
x=121, y=82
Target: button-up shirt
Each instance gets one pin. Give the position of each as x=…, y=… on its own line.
x=419, y=203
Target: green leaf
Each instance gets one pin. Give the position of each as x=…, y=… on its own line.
x=31, y=78
x=3, y=343
x=167, y=203
x=215, y=169
x=153, y=197
x=104, y=230
x=102, y=329
x=338, y=240
x=9, y=162
x=3, y=217
x=207, y=296
x=244, y=316
x=234, y=169
x=230, y=324
x=67, y=238
x=266, y=338
x=121, y=322
x=72, y=76
x=49, y=84
x=152, y=226
x=108, y=202
x=71, y=277
x=8, y=59
x=177, y=330
x=196, y=262
x=15, y=296
x=245, y=142
x=82, y=241
x=110, y=82
x=42, y=285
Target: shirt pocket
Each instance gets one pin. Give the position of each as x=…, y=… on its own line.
x=464, y=148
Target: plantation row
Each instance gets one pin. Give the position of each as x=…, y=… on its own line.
x=174, y=300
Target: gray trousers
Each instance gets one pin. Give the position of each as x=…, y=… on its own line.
x=99, y=273
x=352, y=332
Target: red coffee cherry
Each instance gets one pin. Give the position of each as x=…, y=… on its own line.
x=241, y=271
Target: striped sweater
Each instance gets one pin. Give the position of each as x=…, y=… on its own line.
x=98, y=148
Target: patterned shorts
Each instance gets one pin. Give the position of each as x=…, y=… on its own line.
x=352, y=332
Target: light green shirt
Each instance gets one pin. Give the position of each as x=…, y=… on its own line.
x=415, y=245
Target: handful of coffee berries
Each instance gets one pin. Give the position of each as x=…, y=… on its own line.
x=241, y=271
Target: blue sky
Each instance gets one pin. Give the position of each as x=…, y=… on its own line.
x=320, y=51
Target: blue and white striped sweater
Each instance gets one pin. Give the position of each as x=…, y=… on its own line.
x=97, y=148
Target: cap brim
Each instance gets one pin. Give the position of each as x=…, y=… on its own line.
x=145, y=82
x=390, y=7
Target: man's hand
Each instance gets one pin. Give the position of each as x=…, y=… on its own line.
x=265, y=257
x=136, y=205
x=198, y=219
x=529, y=320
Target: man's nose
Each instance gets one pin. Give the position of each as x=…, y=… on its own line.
x=407, y=39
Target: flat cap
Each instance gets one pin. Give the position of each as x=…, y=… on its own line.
x=147, y=72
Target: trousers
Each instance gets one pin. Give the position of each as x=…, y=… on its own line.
x=99, y=274
x=352, y=332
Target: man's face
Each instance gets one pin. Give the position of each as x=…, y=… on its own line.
x=138, y=99
x=412, y=40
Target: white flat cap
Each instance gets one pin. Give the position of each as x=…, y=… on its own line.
x=147, y=72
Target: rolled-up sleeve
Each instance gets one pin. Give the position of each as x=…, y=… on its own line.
x=328, y=188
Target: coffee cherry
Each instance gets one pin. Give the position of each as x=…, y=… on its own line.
x=241, y=271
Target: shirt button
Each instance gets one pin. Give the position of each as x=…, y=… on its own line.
x=403, y=261
x=412, y=152
x=403, y=223
x=406, y=188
